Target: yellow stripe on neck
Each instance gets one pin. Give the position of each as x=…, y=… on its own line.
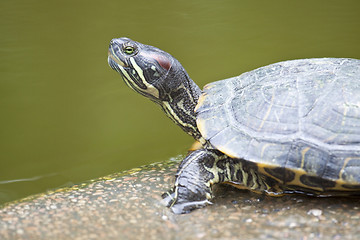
x=149, y=88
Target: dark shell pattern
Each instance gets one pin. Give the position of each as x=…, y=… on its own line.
x=301, y=116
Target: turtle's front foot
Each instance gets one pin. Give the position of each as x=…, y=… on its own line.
x=193, y=182
x=179, y=205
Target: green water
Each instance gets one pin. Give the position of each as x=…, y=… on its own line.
x=67, y=117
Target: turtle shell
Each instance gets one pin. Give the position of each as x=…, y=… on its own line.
x=294, y=119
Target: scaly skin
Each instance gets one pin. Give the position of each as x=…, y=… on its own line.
x=157, y=75
x=285, y=163
x=200, y=170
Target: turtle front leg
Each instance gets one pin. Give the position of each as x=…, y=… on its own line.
x=203, y=168
x=194, y=179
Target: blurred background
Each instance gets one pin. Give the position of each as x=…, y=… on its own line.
x=66, y=117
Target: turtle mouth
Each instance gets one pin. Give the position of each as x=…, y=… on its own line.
x=114, y=59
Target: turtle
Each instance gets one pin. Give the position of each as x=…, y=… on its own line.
x=289, y=127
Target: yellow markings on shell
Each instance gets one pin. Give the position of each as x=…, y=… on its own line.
x=332, y=137
x=227, y=151
x=339, y=186
x=209, y=86
x=344, y=116
x=200, y=101
x=267, y=113
x=346, y=161
x=300, y=172
x=263, y=149
x=303, y=153
x=200, y=122
x=230, y=154
x=343, y=167
x=297, y=182
x=149, y=88
x=261, y=169
x=201, y=126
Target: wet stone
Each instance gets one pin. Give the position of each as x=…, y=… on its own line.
x=127, y=206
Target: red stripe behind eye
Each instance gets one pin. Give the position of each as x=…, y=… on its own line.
x=163, y=61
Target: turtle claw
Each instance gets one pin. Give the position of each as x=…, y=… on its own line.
x=168, y=198
x=193, y=182
x=181, y=206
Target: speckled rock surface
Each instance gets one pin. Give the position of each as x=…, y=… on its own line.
x=127, y=206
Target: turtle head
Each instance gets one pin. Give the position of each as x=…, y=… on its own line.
x=144, y=68
x=159, y=76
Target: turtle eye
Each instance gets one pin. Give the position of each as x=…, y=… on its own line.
x=129, y=50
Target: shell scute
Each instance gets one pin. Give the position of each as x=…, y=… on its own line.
x=300, y=115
